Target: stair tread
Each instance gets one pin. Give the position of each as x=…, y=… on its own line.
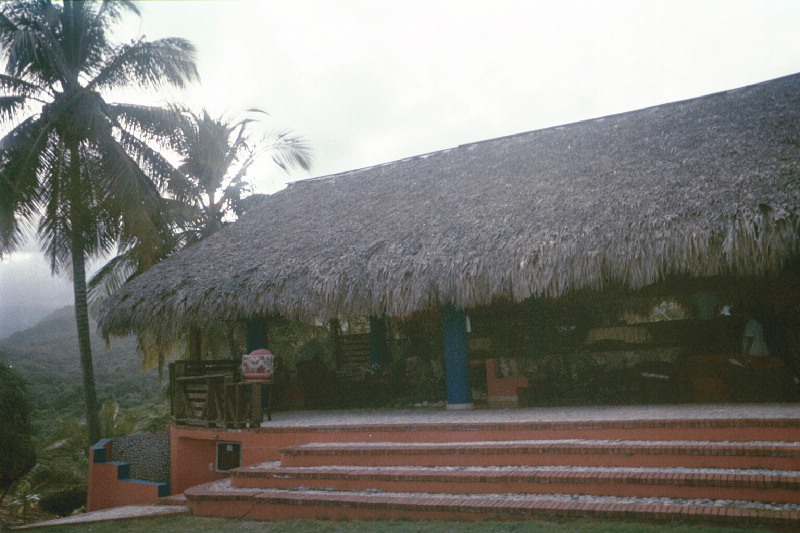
x=326, y=448
x=276, y=467
x=223, y=488
x=378, y=444
x=175, y=499
x=525, y=478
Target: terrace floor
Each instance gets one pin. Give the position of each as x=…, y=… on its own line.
x=433, y=415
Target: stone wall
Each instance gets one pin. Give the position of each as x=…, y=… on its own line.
x=146, y=453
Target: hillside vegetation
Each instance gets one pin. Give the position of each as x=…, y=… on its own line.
x=46, y=356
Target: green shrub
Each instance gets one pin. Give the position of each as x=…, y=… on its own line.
x=63, y=502
x=17, y=453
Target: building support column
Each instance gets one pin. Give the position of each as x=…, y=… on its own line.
x=195, y=343
x=456, y=366
x=378, y=350
x=537, y=327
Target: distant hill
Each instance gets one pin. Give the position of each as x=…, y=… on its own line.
x=47, y=356
x=18, y=316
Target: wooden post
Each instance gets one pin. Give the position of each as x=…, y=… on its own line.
x=195, y=343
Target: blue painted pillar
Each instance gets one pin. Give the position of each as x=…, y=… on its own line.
x=459, y=393
x=537, y=327
x=378, y=350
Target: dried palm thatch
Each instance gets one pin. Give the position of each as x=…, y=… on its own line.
x=701, y=187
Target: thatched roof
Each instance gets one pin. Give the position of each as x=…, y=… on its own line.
x=701, y=187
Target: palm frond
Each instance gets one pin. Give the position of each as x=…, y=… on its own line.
x=10, y=106
x=122, y=175
x=287, y=150
x=157, y=168
x=25, y=152
x=86, y=36
x=162, y=125
x=7, y=26
x=144, y=217
x=112, y=11
x=111, y=277
x=33, y=49
x=150, y=64
x=17, y=85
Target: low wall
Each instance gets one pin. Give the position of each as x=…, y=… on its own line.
x=111, y=483
x=146, y=453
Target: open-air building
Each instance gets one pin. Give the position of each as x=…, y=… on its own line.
x=539, y=238
x=607, y=261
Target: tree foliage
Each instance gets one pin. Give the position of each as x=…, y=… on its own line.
x=17, y=452
x=80, y=168
x=215, y=154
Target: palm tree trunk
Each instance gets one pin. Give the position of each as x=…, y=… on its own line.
x=80, y=296
x=84, y=342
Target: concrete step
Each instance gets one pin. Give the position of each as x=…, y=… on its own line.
x=175, y=499
x=565, y=452
x=733, y=484
x=219, y=498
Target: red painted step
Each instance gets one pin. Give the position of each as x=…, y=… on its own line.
x=701, y=429
x=755, y=485
x=222, y=500
x=571, y=452
x=709, y=471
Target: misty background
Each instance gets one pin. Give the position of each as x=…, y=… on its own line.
x=369, y=82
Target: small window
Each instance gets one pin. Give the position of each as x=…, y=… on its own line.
x=229, y=456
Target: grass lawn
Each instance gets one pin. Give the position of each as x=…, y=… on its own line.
x=219, y=525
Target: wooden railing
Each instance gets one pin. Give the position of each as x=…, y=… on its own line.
x=212, y=394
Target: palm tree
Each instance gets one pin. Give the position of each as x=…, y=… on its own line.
x=79, y=165
x=215, y=155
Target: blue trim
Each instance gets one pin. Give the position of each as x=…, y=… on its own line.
x=100, y=450
x=163, y=488
x=124, y=469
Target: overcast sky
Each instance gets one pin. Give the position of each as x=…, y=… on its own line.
x=371, y=81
